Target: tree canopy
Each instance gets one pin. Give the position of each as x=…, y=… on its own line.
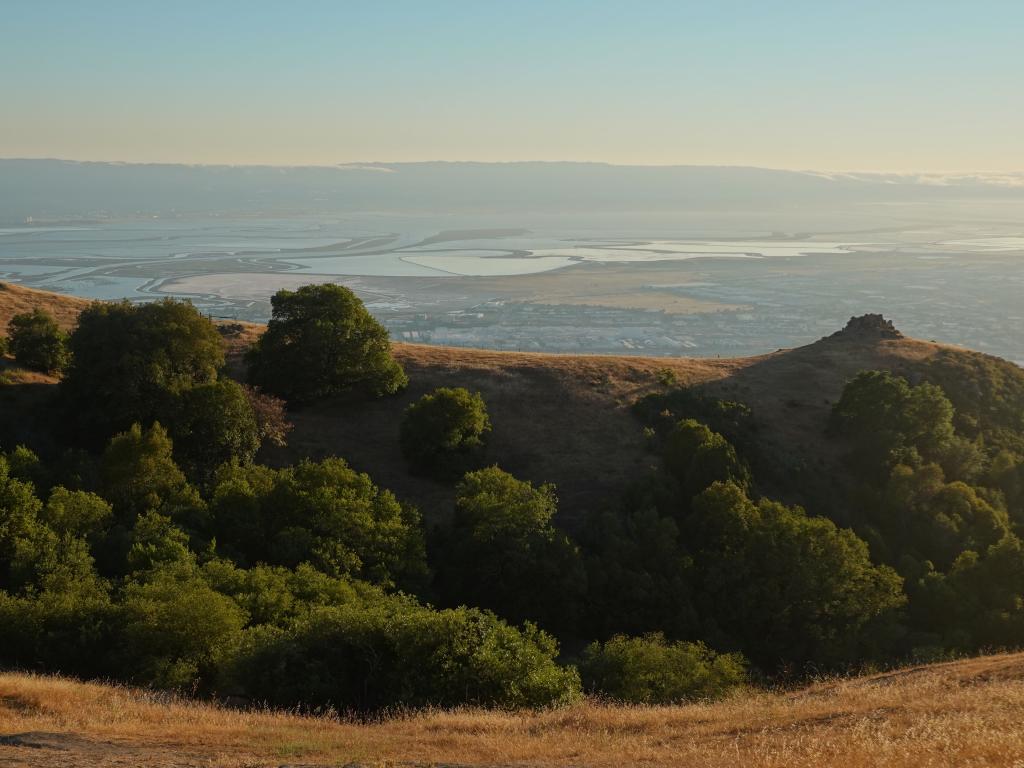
x=442, y=431
x=324, y=513
x=321, y=341
x=37, y=342
x=504, y=552
x=129, y=362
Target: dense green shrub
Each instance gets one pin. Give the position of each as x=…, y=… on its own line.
x=27, y=546
x=324, y=513
x=1006, y=474
x=77, y=513
x=37, y=342
x=978, y=604
x=696, y=457
x=782, y=586
x=924, y=517
x=321, y=341
x=67, y=625
x=504, y=552
x=887, y=421
x=988, y=394
x=130, y=361
x=731, y=419
x=650, y=670
x=639, y=573
x=213, y=424
x=442, y=430
x=279, y=596
x=173, y=630
x=155, y=541
x=368, y=657
x=23, y=464
x=138, y=474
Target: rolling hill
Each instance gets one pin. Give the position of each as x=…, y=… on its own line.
x=567, y=419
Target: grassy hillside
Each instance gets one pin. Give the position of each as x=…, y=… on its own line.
x=15, y=299
x=958, y=713
x=566, y=419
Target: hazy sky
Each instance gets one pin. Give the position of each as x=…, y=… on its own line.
x=898, y=85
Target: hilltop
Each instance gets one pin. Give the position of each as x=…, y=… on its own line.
x=955, y=713
x=567, y=419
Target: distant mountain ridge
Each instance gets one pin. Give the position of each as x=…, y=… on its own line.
x=57, y=189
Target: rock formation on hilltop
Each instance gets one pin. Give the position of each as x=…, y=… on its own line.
x=867, y=328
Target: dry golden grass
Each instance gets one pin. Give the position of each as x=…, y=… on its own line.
x=964, y=713
x=15, y=299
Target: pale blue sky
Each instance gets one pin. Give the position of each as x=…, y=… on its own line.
x=900, y=85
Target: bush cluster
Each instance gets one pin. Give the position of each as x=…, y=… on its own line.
x=443, y=431
x=941, y=497
x=116, y=585
x=651, y=670
x=37, y=342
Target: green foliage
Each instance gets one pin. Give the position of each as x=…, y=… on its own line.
x=504, y=553
x=1006, y=474
x=27, y=547
x=321, y=341
x=782, y=586
x=887, y=421
x=66, y=624
x=213, y=424
x=978, y=604
x=324, y=513
x=156, y=542
x=696, y=457
x=130, y=361
x=173, y=629
x=77, y=513
x=37, y=342
x=138, y=474
x=728, y=418
x=442, y=430
x=650, y=670
x=23, y=464
x=287, y=635
x=924, y=517
x=638, y=567
x=666, y=377
x=279, y=596
x=395, y=651
x=988, y=394
x=942, y=506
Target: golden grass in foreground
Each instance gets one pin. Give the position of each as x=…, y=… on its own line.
x=965, y=713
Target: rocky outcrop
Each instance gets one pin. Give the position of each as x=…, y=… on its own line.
x=867, y=328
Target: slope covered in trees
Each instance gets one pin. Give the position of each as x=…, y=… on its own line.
x=688, y=523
